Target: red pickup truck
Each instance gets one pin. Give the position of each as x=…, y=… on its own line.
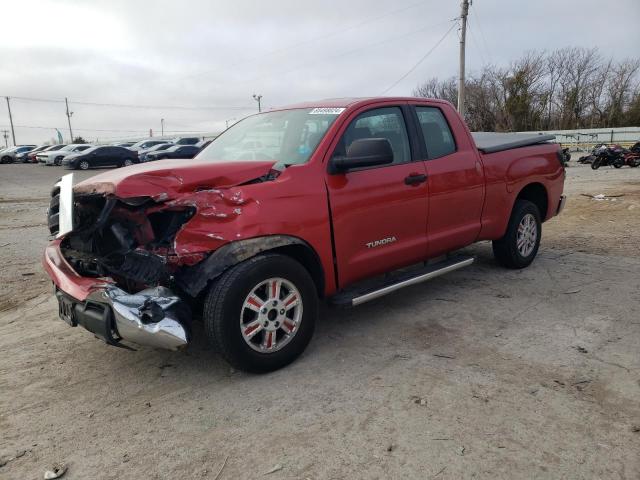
x=341, y=200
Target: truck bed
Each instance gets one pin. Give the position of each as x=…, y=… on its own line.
x=490, y=142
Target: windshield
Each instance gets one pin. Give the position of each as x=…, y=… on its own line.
x=288, y=136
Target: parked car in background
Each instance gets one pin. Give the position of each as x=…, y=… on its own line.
x=144, y=144
x=9, y=154
x=100, y=156
x=33, y=154
x=142, y=155
x=187, y=140
x=54, y=157
x=204, y=143
x=23, y=157
x=123, y=144
x=177, y=151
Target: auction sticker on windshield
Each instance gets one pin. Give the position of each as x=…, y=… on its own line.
x=326, y=111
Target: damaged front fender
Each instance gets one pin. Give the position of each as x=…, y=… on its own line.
x=194, y=280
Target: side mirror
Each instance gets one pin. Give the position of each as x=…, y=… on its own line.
x=366, y=152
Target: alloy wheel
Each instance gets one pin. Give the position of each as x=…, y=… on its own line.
x=271, y=315
x=527, y=235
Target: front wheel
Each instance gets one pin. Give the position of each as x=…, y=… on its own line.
x=84, y=165
x=127, y=162
x=260, y=314
x=595, y=164
x=519, y=245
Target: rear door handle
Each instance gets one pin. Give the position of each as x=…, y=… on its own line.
x=415, y=179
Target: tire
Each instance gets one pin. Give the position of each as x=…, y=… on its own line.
x=127, y=162
x=6, y=159
x=506, y=250
x=595, y=164
x=618, y=163
x=227, y=313
x=83, y=165
x=58, y=161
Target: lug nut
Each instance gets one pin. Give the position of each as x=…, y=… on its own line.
x=282, y=312
x=266, y=324
x=277, y=324
x=275, y=303
x=264, y=310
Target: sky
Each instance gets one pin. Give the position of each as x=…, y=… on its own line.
x=126, y=64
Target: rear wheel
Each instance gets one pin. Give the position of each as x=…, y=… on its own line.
x=618, y=163
x=6, y=159
x=261, y=314
x=519, y=245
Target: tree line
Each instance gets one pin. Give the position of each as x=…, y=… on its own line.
x=569, y=88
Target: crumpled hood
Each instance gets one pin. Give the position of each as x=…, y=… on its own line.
x=167, y=179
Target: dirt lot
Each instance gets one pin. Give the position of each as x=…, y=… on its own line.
x=485, y=373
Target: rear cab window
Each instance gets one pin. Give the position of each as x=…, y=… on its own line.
x=438, y=139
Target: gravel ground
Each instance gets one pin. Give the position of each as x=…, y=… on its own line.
x=484, y=373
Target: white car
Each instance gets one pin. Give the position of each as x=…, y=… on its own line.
x=55, y=157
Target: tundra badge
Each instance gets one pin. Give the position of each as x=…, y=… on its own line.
x=379, y=243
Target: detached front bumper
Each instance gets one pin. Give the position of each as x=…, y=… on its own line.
x=155, y=316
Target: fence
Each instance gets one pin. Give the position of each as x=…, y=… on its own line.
x=586, y=139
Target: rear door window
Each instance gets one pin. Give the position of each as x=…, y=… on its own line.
x=438, y=139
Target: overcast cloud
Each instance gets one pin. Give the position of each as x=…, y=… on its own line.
x=218, y=53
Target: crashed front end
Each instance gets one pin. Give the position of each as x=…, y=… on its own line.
x=119, y=262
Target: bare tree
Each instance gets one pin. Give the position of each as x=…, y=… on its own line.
x=620, y=90
x=568, y=88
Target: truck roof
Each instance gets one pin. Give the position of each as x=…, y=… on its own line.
x=352, y=101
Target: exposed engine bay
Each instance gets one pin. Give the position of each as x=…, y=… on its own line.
x=143, y=241
x=130, y=241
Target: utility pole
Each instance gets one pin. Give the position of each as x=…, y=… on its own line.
x=5, y=134
x=258, y=98
x=69, y=118
x=13, y=133
x=162, y=126
x=463, y=36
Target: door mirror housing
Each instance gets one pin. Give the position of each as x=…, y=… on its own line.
x=366, y=152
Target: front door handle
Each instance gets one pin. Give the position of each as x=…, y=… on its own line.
x=415, y=179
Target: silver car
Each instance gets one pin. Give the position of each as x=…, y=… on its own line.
x=55, y=157
x=9, y=155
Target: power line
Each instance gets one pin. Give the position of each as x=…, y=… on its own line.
x=484, y=40
x=476, y=44
x=128, y=105
x=311, y=40
x=343, y=54
x=39, y=127
x=424, y=57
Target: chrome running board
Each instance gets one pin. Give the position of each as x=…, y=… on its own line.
x=405, y=279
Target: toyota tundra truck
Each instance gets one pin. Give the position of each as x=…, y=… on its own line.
x=341, y=201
